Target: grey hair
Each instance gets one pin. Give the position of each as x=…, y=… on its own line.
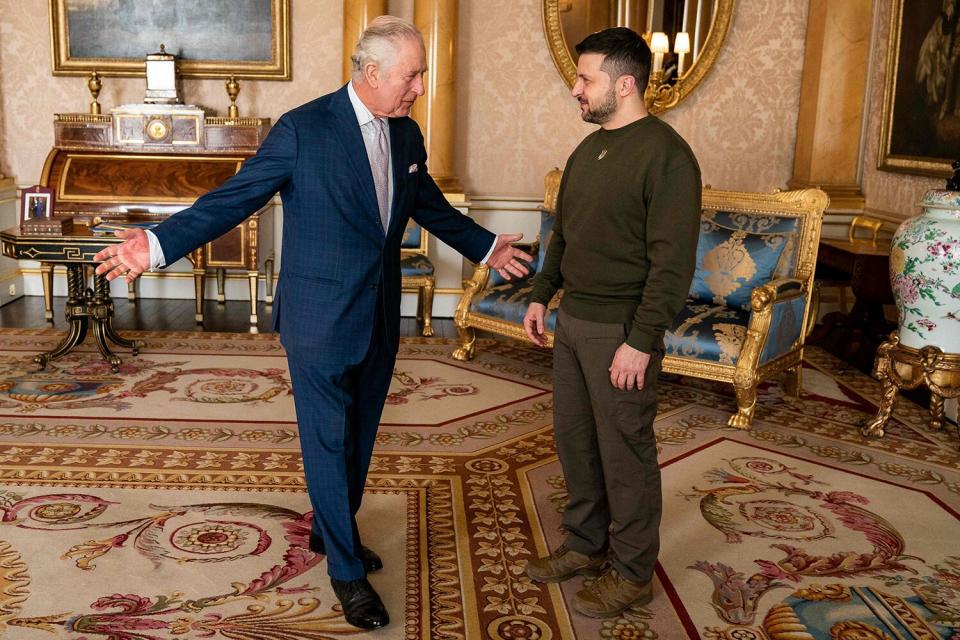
x=378, y=42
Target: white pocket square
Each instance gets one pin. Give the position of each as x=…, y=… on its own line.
x=413, y=168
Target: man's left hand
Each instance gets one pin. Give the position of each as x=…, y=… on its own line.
x=628, y=368
x=505, y=259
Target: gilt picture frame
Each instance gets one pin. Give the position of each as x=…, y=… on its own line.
x=920, y=122
x=211, y=39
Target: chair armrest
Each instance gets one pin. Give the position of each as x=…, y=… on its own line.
x=478, y=281
x=776, y=290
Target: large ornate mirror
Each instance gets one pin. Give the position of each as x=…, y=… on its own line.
x=685, y=36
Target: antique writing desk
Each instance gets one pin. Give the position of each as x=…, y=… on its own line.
x=145, y=162
x=85, y=308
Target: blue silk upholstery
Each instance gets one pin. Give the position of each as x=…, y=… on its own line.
x=508, y=302
x=708, y=332
x=543, y=240
x=738, y=252
x=711, y=327
x=785, y=327
x=414, y=265
x=411, y=236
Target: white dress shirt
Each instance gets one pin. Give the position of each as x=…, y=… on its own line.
x=364, y=118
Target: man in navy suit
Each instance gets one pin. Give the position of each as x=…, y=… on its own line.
x=351, y=170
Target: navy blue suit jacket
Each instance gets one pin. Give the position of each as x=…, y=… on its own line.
x=336, y=254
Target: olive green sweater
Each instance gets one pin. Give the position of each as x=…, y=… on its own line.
x=625, y=238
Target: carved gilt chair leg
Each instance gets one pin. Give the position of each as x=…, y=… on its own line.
x=132, y=290
x=793, y=381
x=426, y=295
x=468, y=344
x=746, y=405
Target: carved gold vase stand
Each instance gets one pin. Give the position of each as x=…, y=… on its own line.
x=901, y=367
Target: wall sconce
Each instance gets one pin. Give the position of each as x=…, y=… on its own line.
x=659, y=45
x=681, y=47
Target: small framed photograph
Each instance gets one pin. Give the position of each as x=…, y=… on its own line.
x=36, y=203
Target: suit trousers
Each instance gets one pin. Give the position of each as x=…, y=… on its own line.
x=338, y=413
x=607, y=448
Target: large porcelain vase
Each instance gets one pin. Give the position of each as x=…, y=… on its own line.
x=925, y=274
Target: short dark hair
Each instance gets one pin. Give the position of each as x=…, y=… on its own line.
x=625, y=53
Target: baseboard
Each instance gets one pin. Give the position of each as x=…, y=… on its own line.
x=11, y=287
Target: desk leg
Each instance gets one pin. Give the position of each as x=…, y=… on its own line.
x=46, y=278
x=221, y=285
x=253, y=277
x=268, y=271
x=199, y=276
x=77, y=317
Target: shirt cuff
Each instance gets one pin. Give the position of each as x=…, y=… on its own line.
x=490, y=252
x=157, y=260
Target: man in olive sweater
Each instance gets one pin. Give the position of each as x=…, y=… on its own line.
x=623, y=250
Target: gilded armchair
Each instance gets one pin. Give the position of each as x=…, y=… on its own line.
x=747, y=312
x=416, y=272
x=494, y=304
x=749, y=305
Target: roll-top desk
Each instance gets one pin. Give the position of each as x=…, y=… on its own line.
x=143, y=163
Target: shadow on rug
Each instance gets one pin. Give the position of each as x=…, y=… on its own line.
x=167, y=501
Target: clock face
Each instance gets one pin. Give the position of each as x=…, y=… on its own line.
x=157, y=129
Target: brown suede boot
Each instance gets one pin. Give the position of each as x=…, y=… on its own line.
x=611, y=594
x=564, y=563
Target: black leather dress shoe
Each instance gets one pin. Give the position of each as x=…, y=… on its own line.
x=371, y=561
x=362, y=607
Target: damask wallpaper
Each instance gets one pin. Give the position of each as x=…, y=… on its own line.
x=740, y=122
x=516, y=118
x=30, y=95
x=894, y=193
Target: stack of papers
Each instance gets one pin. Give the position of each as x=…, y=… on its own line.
x=107, y=228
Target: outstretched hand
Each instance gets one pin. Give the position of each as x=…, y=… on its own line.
x=128, y=259
x=505, y=258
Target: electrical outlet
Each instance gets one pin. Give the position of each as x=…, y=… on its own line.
x=12, y=290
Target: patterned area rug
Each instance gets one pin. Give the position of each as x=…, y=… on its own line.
x=167, y=501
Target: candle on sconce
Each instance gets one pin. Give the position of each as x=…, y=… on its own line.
x=659, y=45
x=681, y=46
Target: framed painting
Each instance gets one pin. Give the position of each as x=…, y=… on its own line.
x=920, y=127
x=211, y=38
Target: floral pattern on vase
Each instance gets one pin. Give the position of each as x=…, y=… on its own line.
x=925, y=273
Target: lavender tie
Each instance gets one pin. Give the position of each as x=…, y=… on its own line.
x=380, y=165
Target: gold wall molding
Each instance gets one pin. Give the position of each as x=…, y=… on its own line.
x=833, y=93
x=436, y=110
x=357, y=14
